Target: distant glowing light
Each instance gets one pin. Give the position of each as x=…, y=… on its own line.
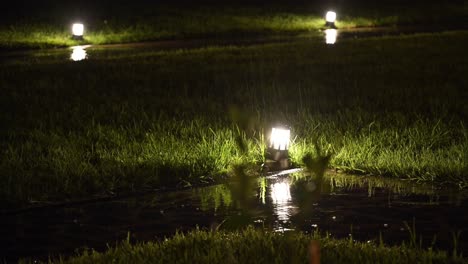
x=330, y=36
x=279, y=139
x=78, y=53
x=78, y=30
x=330, y=17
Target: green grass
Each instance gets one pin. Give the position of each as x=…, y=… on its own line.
x=256, y=246
x=371, y=183
x=121, y=23
x=139, y=119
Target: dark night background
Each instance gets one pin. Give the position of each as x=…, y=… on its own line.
x=12, y=10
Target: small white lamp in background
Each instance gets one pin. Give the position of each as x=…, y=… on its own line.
x=330, y=19
x=330, y=36
x=78, y=31
x=277, y=153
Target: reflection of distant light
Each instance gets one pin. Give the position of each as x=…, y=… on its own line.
x=330, y=36
x=281, y=197
x=284, y=229
x=78, y=53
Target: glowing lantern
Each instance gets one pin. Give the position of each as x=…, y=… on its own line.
x=277, y=157
x=279, y=139
x=330, y=18
x=78, y=30
x=330, y=36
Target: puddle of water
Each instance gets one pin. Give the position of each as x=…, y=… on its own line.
x=360, y=206
x=331, y=36
x=79, y=53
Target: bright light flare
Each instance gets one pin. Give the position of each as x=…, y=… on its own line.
x=78, y=53
x=330, y=17
x=78, y=29
x=279, y=139
x=330, y=36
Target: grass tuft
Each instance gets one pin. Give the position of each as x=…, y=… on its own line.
x=256, y=246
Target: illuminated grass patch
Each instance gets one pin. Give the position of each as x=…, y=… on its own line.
x=128, y=121
x=134, y=23
x=254, y=246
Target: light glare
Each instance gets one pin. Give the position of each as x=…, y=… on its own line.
x=330, y=36
x=330, y=17
x=280, y=138
x=78, y=29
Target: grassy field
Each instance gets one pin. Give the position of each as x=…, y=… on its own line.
x=139, y=119
x=256, y=246
x=49, y=23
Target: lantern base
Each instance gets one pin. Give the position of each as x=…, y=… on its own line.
x=80, y=38
x=276, y=165
x=276, y=155
x=330, y=25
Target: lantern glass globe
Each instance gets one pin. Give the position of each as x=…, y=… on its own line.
x=279, y=139
x=78, y=29
x=330, y=17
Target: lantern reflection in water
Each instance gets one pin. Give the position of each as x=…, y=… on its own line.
x=330, y=36
x=78, y=53
x=282, y=201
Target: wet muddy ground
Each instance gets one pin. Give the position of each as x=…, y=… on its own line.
x=365, y=210
x=326, y=36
